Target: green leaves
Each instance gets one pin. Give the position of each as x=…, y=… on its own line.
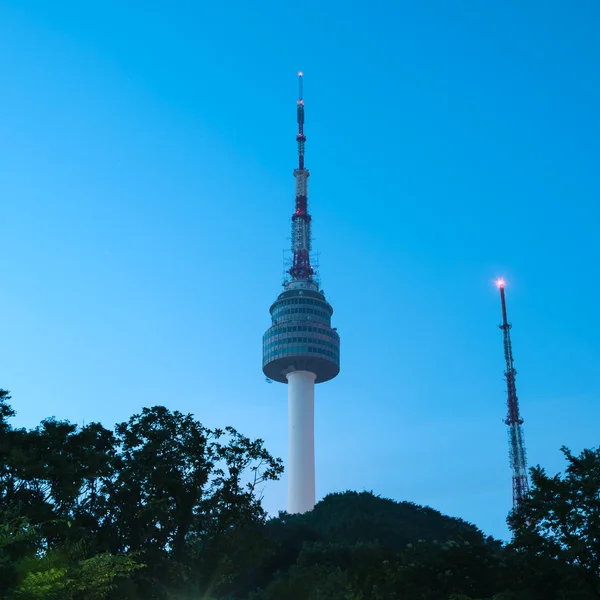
x=359, y=546
x=161, y=487
x=58, y=577
x=164, y=508
x=558, y=526
x=30, y=571
x=95, y=577
x=178, y=480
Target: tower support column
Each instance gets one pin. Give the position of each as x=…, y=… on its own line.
x=301, y=441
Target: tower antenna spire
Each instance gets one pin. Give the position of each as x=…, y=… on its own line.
x=301, y=235
x=516, y=442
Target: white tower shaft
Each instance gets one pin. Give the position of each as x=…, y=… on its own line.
x=301, y=441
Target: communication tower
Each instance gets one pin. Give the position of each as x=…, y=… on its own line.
x=301, y=348
x=516, y=442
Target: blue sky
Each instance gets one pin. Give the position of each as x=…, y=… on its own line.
x=145, y=194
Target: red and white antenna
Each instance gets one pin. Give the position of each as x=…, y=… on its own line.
x=301, y=268
x=516, y=442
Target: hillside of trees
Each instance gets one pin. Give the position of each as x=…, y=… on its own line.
x=162, y=508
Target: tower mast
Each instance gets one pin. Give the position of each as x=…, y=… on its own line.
x=301, y=237
x=516, y=442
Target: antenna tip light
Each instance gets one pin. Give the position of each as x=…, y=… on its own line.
x=500, y=283
x=299, y=73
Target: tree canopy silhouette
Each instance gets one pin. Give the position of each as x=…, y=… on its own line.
x=162, y=508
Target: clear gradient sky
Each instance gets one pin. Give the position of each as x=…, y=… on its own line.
x=146, y=187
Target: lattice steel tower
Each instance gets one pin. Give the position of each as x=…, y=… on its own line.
x=301, y=348
x=516, y=442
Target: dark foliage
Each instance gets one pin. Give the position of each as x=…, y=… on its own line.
x=162, y=508
x=161, y=490
x=368, y=547
x=557, y=530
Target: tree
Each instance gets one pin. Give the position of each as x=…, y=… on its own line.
x=17, y=541
x=358, y=546
x=557, y=528
x=182, y=497
x=308, y=582
x=59, y=573
x=52, y=475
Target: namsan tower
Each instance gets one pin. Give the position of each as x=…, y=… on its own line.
x=301, y=348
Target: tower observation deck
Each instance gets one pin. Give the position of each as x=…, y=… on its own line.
x=301, y=348
x=301, y=337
